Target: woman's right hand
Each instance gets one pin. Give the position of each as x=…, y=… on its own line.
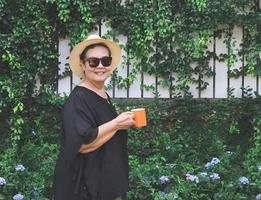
x=124, y=120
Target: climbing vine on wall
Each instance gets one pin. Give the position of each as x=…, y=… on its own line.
x=171, y=37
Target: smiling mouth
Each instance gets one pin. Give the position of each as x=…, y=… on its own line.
x=99, y=73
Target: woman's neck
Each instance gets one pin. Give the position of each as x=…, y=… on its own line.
x=96, y=87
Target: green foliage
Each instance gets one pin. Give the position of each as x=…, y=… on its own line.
x=182, y=136
x=171, y=37
x=31, y=139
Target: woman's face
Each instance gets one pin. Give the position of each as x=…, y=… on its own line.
x=99, y=73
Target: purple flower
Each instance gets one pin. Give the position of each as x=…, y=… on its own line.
x=19, y=168
x=244, y=181
x=166, y=190
x=34, y=192
x=2, y=181
x=214, y=176
x=215, y=161
x=164, y=179
x=192, y=178
x=258, y=196
x=209, y=165
x=204, y=174
x=18, y=197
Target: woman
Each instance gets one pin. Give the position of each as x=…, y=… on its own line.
x=93, y=162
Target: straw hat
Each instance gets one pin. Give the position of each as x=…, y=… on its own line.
x=74, y=59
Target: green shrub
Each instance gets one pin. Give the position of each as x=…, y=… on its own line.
x=203, y=148
x=191, y=149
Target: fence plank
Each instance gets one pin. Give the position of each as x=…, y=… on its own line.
x=208, y=92
x=236, y=83
x=134, y=89
x=259, y=85
x=221, y=71
x=64, y=84
x=193, y=89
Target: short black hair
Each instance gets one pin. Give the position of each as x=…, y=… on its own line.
x=82, y=56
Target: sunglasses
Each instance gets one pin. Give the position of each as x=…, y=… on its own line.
x=94, y=62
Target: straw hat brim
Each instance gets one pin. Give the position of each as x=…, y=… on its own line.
x=74, y=59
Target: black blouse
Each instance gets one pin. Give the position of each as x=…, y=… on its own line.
x=98, y=175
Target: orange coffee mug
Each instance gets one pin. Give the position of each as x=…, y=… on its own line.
x=140, y=119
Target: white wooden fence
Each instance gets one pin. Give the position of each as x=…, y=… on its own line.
x=217, y=87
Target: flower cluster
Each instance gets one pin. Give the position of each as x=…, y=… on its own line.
x=258, y=196
x=19, y=168
x=166, y=191
x=164, y=179
x=34, y=192
x=214, y=176
x=18, y=197
x=192, y=178
x=204, y=174
x=2, y=181
x=212, y=163
x=244, y=181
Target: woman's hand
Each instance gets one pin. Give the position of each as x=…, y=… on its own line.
x=124, y=120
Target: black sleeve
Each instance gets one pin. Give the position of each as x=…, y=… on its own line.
x=79, y=126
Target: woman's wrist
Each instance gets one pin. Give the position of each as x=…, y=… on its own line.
x=115, y=125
